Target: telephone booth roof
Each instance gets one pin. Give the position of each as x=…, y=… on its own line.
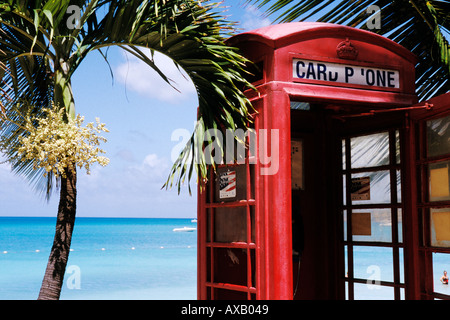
x=330, y=46
x=284, y=34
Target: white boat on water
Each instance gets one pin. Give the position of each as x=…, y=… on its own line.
x=184, y=229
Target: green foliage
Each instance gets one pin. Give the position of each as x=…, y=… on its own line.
x=42, y=51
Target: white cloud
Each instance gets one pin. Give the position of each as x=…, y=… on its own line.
x=125, y=155
x=141, y=78
x=151, y=173
x=253, y=18
x=130, y=178
x=134, y=190
x=152, y=161
x=153, y=168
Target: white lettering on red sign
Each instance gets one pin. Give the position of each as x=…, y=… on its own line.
x=350, y=74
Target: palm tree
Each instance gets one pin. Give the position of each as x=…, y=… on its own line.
x=418, y=25
x=42, y=44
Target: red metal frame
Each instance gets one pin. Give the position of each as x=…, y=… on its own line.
x=268, y=267
x=394, y=205
x=208, y=247
x=421, y=258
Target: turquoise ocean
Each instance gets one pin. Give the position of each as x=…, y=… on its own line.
x=111, y=258
x=141, y=259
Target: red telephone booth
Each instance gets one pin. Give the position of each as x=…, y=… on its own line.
x=339, y=195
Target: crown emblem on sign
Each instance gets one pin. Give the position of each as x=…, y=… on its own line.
x=346, y=50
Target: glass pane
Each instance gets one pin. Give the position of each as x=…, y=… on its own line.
x=373, y=292
x=401, y=265
x=372, y=225
x=346, y=290
x=373, y=263
x=399, y=186
x=439, y=181
x=440, y=227
x=305, y=106
x=400, y=225
x=344, y=189
x=374, y=188
x=402, y=294
x=441, y=264
x=370, y=151
x=230, y=266
x=230, y=224
x=345, y=224
x=438, y=136
x=345, y=261
x=344, y=162
x=397, y=146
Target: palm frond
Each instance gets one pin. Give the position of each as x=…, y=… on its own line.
x=188, y=31
x=26, y=86
x=192, y=36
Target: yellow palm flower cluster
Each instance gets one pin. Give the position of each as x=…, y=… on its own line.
x=55, y=142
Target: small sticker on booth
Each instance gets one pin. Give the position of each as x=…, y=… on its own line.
x=440, y=227
x=439, y=184
x=361, y=224
x=297, y=165
x=360, y=189
x=227, y=185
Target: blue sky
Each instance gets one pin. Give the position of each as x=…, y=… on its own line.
x=141, y=111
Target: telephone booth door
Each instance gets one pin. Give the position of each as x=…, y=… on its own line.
x=372, y=179
x=430, y=200
x=348, y=200
x=396, y=202
x=388, y=235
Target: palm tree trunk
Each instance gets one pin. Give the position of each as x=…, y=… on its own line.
x=59, y=255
